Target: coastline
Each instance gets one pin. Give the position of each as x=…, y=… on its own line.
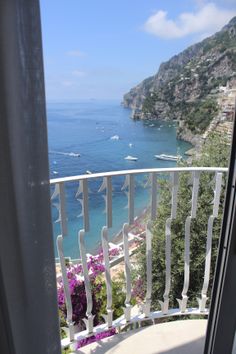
x=146, y=139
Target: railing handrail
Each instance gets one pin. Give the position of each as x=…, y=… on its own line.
x=136, y=171
x=82, y=196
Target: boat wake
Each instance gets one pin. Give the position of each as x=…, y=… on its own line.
x=73, y=154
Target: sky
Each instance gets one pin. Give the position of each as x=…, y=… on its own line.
x=100, y=49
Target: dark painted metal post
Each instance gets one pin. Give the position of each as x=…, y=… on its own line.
x=28, y=308
x=222, y=317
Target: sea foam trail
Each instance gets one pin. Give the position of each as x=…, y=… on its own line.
x=73, y=154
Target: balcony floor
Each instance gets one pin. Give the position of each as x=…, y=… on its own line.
x=178, y=337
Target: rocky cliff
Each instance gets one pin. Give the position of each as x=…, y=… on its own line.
x=185, y=86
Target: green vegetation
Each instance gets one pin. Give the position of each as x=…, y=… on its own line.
x=215, y=153
x=222, y=39
x=118, y=297
x=149, y=103
x=199, y=114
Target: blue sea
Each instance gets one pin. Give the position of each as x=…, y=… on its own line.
x=86, y=127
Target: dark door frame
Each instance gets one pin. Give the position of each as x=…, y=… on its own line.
x=28, y=299
x=222, y=318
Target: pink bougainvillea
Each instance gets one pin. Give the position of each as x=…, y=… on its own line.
x=78, y=295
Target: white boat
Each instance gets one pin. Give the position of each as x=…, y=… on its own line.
x=115, y=137
x=167, y=157
x=74, y=154
x=131, y=158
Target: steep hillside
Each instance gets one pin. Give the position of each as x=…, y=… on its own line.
x=184, y=87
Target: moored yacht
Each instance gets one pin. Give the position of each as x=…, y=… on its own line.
x=167, y=157
x=131, y=158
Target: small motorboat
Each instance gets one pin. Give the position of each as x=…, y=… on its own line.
x=74, y=154
x=167, y=157
x=131, y=158
x=115, y=137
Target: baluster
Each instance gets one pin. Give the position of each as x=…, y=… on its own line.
x=83, y=189
x=59, y=191
x=183, y=301
x=109, y=201
x=129, y=182
x=107, y=185
x=131, y=198
x=154, y=196
x=165, y=304
x=66, y=287
x=89, y=320
x=216, y=202
x=147, y=305
x=148, y=182
x=128, y=306
x=105, y=247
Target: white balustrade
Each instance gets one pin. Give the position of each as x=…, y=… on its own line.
x=89, y=320
x=216, y=202
x=174, y=193
x=83, y=189
x=83, y=194
x=105, y=247
x=183, y=302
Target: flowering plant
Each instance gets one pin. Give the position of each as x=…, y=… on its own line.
x=78, y=295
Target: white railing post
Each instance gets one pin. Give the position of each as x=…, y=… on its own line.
x=146, y=307
x=66, y=288
x=109, y=201
x=83, y=189
x=59, y=192
x=89, y=320
x=128, y=306
x=216, y=203
x=131, y=198
x=107, y=185
x=183, y=301
x=105, y=247
x=153, y=196
x=129, y=182
x=165, y=304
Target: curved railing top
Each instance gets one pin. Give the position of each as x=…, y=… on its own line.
x=136, y=171
x=130, y=313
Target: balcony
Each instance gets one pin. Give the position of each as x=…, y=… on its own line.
x=183, y=334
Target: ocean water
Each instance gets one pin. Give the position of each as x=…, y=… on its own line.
x=86, y=128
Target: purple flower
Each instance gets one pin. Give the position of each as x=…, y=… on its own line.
x=96, y=338
x=77, y=290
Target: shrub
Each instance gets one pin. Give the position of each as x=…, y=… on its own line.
x=215, y=153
